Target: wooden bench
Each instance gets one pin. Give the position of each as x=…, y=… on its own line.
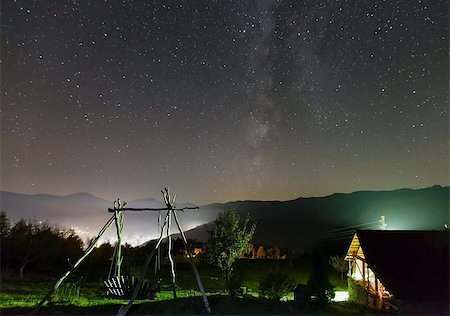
x=123, y=287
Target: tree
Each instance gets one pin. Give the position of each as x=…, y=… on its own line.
x=40, y=246
x=5, y=252
x=319, y=290
x=21, y=236
x=340, y=264
x=227, y=242
x=276, y=285
x=32, y=242
x=71, y=248
x=5, y=226
x=261, y=253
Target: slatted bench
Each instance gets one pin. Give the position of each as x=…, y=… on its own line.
x=123, y=287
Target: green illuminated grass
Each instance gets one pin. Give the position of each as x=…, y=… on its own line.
x=25, y=293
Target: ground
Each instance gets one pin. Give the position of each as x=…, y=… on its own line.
x=221, y=305
x=77, y=297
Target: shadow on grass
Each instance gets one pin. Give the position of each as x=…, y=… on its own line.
x=220, y=305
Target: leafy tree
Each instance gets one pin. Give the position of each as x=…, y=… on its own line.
x=5, y=226
x=319, y=290
x=99, y=261
x=228, y=241
x=5, y=252
x=276, y=285
x=40, y=246
x=31, y=242
x=71, y=248
x=47, y=243
x=21, y=236
x=340, y=264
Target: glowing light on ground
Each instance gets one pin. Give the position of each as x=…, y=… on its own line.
x=340, y=296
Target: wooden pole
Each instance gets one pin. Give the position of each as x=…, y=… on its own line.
x=169, y=250
x=112, y=263
x=111, y=210
x=170, y=203
x=124, y=309
x=86, y=253
x=118, y=213
x=364, y=270
x=158, y=253
x=171, y=211
x=194, y=267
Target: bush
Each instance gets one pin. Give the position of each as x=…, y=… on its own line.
x=356, y=293
x=319, y=290
x=276, y=285
x=235, y=283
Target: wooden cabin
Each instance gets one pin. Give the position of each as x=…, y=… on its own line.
x=393, y=268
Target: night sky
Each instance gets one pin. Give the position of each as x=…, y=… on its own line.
x=223, y=100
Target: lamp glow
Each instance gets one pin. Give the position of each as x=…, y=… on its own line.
x=340, y=296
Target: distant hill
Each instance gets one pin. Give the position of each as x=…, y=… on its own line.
x=297, y=223
x=300, y=223
x=88, y=214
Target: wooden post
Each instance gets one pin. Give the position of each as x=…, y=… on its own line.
x=171, y=211
x=124, y=309
x=158, y=253
x=363, y=270
x=169, y=250
x=378, y=298
x=191, y=261
x=86, y=253
x=368, y=287
x=118, y=214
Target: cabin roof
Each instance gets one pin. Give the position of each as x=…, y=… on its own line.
x=354, y=246
x=411, y=264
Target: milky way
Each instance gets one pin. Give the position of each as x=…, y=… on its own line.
x=223, y=100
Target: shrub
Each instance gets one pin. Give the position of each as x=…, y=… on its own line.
x=235, y=283
x=356, y=293
x=319, y=290
x=275, y=285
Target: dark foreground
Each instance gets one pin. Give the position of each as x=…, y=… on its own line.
x=220, y=304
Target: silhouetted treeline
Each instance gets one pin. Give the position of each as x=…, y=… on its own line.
x=28, y=247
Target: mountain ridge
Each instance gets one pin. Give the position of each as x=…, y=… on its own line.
x=278, y=222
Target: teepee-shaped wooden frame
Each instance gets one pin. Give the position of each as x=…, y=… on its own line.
x=117, y=218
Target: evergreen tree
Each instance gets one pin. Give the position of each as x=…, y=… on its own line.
x=319, y=290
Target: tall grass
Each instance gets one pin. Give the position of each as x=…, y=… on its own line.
x=68, y=294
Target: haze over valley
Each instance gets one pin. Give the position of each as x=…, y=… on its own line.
x=296, y=223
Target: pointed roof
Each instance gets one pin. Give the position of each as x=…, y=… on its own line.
x=411, y=264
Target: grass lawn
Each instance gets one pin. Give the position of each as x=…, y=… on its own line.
x=18, y=296
x=220, y=305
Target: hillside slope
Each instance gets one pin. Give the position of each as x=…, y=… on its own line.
x=297, y=223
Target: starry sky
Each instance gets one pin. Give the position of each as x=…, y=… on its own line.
x=223, y=100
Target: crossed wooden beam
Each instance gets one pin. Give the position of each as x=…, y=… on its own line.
x=119, y=208
x=171, y=212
